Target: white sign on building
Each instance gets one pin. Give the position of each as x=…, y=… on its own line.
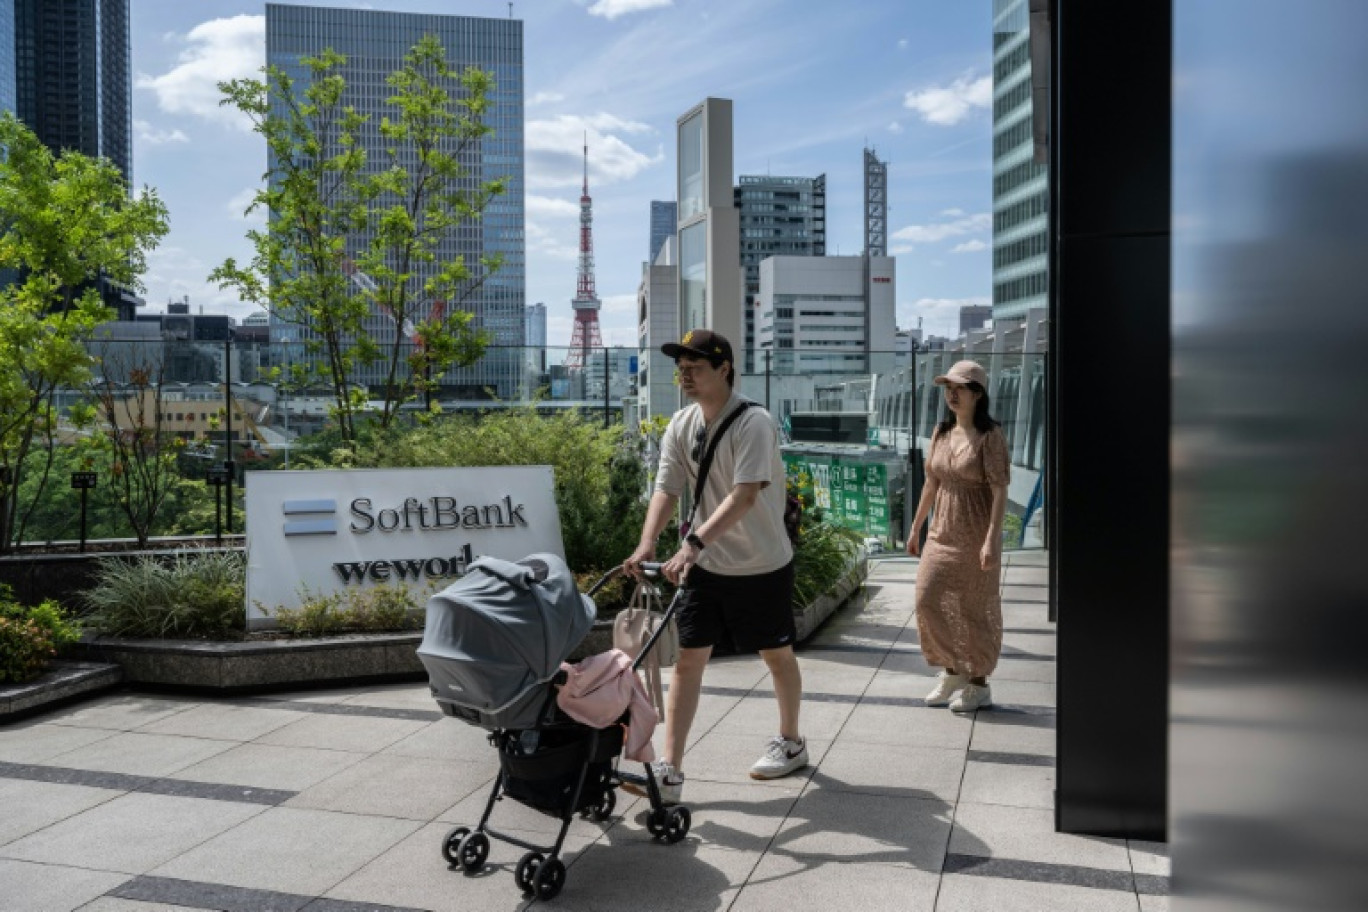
x=333, y=530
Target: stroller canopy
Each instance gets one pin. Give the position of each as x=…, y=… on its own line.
x=501, y=630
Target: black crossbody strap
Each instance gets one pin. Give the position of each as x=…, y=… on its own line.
x=707, y=461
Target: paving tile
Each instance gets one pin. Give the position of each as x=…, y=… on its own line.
x=971, y=893
x=31, y=806
x=270, y=766
x=140, y=754
x=908, y=772
x=1149, y=857
x=115, y=904
x=1028, y=834
x=1030, y=693
x=1154, y=903
x=133, y=833
x=907, y=726
x=831, y=826
x=758, y=716
x=800, y=884
x=1017, y=786
x=396, y=696
x=1009, y=669
x=391, y=785
x=289, y=850
x=1040, y=644
x=630, y=876
x=1023, y=739
x=727, y=815
x=445, y=739
x=120, y=712
x=38, y=742
x=51, y=888
x=344, y=733
x=221, y=721
x=413, y=873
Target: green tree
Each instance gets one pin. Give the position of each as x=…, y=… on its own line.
x=335, y=215
x=67, y=220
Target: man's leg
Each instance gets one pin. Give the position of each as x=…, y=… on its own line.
x=788, y=688
x=681, y=703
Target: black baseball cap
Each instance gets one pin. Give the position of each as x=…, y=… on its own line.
x=703, y=343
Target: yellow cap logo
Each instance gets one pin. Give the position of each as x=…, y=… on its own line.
x=688, y=337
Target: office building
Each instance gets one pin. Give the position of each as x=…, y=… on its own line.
x=974, y=316
x=827, y=315
x=1020, y=194
x=780, y=216
x=664, y=217
x=534, y=335
x=71, y=77
x=374, y=44
x=657, y=324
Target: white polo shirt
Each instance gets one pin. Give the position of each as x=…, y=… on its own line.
x=748, y=452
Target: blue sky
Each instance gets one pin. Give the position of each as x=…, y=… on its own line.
x=812, y=83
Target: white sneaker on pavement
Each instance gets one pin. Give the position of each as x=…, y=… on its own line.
x=975, y=696
x=946, y=686
x=669, y=781
x=782, y=756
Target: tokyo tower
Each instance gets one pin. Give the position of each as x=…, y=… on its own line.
x=586, y=339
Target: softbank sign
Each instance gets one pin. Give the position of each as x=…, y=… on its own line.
x=329, y=531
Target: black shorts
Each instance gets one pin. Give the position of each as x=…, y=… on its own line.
x=756, y=610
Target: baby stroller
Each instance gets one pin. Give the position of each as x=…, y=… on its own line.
x=493, y=645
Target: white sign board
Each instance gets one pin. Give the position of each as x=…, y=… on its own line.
x=333, y=530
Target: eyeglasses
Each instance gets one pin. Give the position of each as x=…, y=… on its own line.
x=700, y=438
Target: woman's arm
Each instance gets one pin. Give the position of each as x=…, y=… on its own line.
x=928, y=497
x=991, y=552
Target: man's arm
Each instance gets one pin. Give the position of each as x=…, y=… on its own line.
x=728, y=513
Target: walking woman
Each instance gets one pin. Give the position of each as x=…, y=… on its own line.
x=959, y=611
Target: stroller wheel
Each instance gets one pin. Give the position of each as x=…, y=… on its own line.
x=549, y=879
x=656, y=820
x=677, y=825
x=526, y=872
x=451, y=843
x=604, y=809
x=473, y=851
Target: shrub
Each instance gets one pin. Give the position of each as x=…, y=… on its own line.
x=385, y=607
x=25, y=650
x=31, y=636
x=823, y=556
x=195, y=594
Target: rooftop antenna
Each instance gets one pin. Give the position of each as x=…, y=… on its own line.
x=510, y=10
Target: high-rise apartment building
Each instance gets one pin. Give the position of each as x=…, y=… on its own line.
x=664, y=218
x=1020, y=194
x=9, y=98
x=374, y=43
x=71, y=75
x=780, y=216
x=534, y=337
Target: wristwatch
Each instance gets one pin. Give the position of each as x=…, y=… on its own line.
x=693, y=539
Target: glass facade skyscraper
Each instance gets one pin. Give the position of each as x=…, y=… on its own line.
x=70, y=77
x=374, y=44
x=780, y=216
x=664, y=218
x=1020, y=194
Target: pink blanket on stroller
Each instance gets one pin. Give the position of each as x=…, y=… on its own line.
x=600, y=689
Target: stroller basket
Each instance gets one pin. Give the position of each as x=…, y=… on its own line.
x=541, y=768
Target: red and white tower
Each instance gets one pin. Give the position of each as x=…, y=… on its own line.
x=586, y=339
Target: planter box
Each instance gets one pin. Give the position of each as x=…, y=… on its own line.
x=263, y=664
x=64, y=682
x=810, y=618
x=35, y=576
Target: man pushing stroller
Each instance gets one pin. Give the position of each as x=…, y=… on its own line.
x=735, y=551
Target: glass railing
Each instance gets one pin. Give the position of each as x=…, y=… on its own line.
x=862, y=421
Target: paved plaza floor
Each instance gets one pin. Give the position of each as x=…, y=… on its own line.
x=337, y=801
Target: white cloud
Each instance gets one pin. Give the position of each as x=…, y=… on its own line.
x=558, y=245
x=902, y=44
x=549, y=207
x=154, y=137
x=894, y=127
x=541, y=98
x=948, y=105
x=958, y=226
x=611, y=9
x=217, y=50
x=555, y=150
x=237, y=206
x=973, y=246
x=939, y=316
x=619, y=304
x=952, y=213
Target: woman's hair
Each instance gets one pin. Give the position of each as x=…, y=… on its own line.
x=983, y=422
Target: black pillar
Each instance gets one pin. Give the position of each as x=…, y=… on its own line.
x=1109, y=414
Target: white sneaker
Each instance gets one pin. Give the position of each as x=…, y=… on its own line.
x=669, y=782
x=975, y=696
x=946, y=686
x=782, y=757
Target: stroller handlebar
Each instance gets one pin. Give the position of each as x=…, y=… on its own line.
x=650, y=568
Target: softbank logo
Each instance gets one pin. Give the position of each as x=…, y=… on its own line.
x=318, y=525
